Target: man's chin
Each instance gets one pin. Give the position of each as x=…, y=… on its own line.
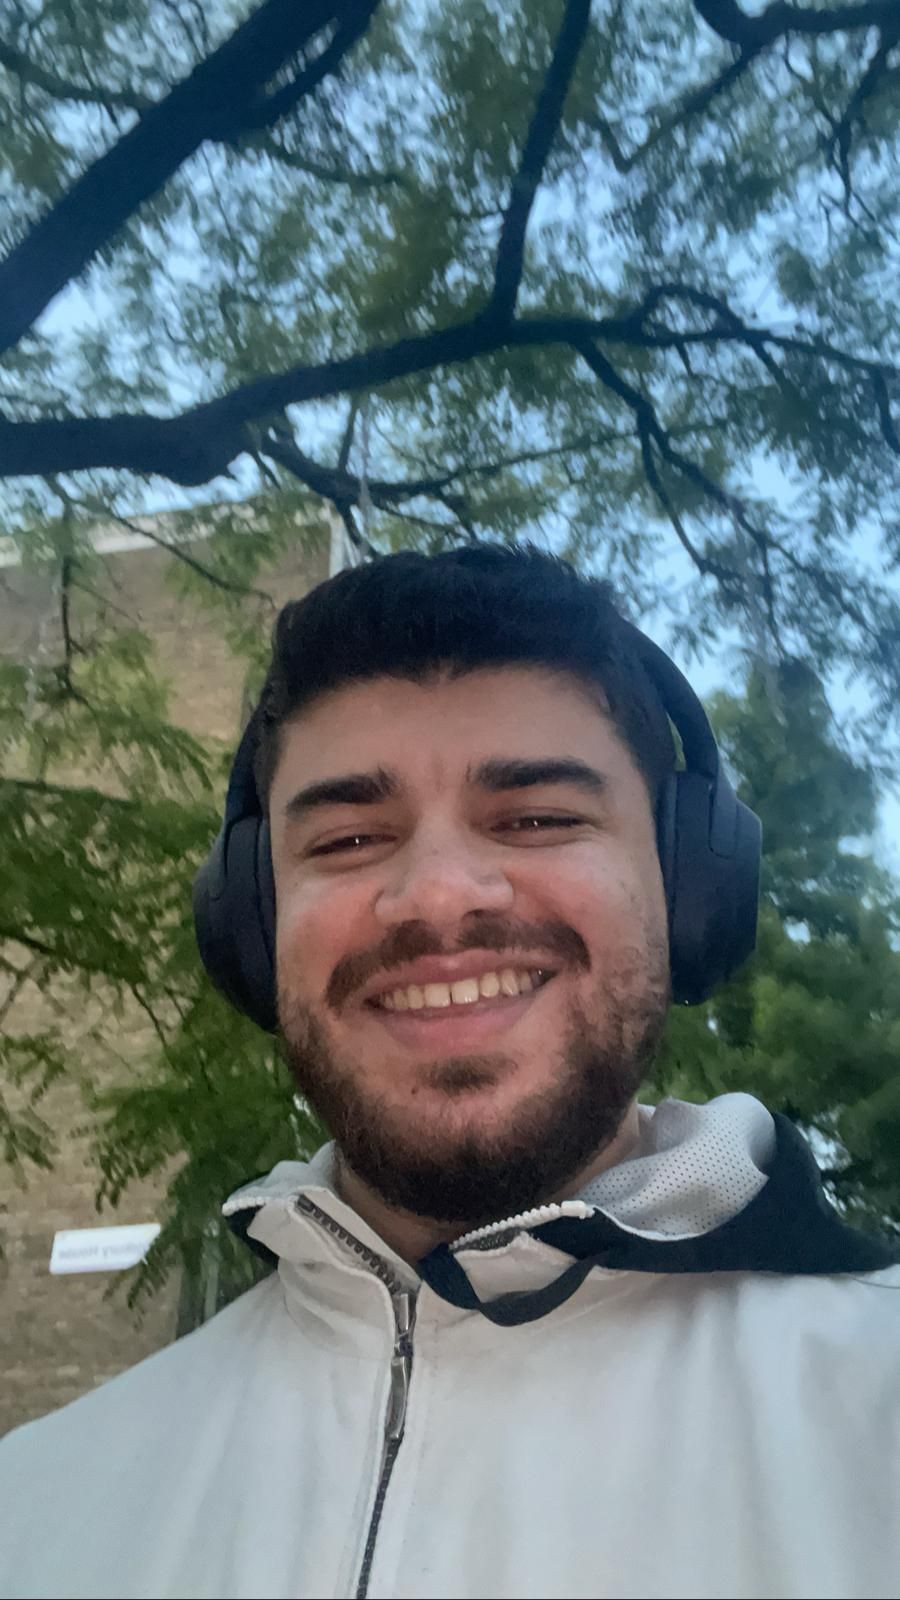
x=466, y=1140
x=467, y=1150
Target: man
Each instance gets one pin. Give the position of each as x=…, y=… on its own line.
x=526, y=1336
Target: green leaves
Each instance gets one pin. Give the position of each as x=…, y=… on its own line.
x=812, y=1024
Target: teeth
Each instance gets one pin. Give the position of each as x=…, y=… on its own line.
x=437, y=994
x=464, y=992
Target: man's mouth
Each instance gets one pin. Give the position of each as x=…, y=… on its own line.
x=464, y=994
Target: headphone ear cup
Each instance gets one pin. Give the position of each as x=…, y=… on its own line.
x=709, y=850
x=234, y=918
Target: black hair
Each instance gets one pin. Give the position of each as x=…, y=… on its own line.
x=416, y=616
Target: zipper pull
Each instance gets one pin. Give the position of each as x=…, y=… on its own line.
x=404, y=1303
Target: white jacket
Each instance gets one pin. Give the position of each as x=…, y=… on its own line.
x=708, y=1407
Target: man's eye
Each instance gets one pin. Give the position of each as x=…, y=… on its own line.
x=349, y=839
x=540, y=823
x=529, y=824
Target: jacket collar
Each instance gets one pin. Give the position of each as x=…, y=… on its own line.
x=790, y=1227
x=780, y=1222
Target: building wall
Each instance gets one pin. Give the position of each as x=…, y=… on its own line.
x=62, y=1335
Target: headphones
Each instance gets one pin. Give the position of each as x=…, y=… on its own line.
x=709, y=846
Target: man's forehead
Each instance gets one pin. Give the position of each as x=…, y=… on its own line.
x=478, y=688
x=471, y=730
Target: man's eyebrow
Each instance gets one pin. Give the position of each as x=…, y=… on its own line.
x=353, y=789
x=494, y=776
x=499, y=774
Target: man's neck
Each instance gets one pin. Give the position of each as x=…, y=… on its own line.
x=411, y=1236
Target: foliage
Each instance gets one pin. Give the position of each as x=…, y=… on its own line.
x=621, y=274
x=107, y=808
x=812, y=1024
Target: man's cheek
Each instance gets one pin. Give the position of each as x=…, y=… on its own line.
x=608, y=906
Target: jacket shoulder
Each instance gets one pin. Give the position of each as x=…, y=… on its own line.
x=165, y=1385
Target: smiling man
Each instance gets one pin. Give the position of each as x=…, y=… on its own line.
x=526, y=1336
x=472, y=950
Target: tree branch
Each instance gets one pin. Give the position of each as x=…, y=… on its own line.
x=693, y=104
x=202, y=571
x=541, y=134
x=65, y=791
x=199, y=444
x=651, y=432
x=882, y=400
x=208, y=104
x=314, y=168
x=30, y=72
x=751, y=36
x=21, y=975
x=344, y=490
x=62, y=957
x=347, y=440
x=735, y=26
x=351, y=27
x=876, y=72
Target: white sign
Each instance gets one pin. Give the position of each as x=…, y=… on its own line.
x=101, y=1249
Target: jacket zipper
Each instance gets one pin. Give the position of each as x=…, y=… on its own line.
x=403, y=1303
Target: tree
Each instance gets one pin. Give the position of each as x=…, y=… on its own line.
x=616, y=277
x=606, y=270
x=812, y=1024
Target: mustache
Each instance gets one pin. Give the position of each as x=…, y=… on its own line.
x=411, y=940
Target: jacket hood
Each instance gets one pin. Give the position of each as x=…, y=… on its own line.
x=721, y=1187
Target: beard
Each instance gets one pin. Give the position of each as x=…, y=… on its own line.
x=444, y=1165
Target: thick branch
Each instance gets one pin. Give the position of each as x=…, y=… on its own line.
x=208, y=104
x=344, y=489
x=730, y=22
x=106, y=98
x=541, y=134
x=199, y=444
x=269, y=110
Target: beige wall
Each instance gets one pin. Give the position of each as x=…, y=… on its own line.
x=62, y=1335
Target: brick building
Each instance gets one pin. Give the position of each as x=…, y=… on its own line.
x=61, y=1335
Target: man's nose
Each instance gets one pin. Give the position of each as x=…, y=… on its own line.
x=440, y=881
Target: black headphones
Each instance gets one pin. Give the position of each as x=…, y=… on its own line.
x=709, y=846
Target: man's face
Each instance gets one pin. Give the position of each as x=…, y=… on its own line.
x=412, y=846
